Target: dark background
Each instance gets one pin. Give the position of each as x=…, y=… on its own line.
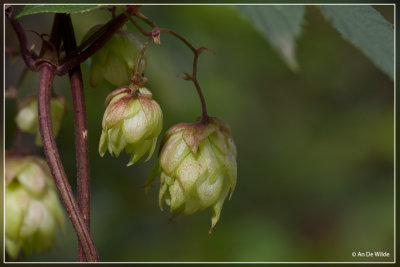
x=315, y=148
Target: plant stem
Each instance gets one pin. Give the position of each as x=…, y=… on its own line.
x=193, y=77
x=117, y=23
x=53, y=159
x=145, y=19
x=81, y=133
x=136, y=78
x=142, y=31
x=29, y=57
x=196, y=52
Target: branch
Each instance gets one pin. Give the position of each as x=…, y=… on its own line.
x=28, y=56
x=81, y=133
x=53, y=159
x=196, y=52
x=114, y=26
x=136, y=79
x=193, y=77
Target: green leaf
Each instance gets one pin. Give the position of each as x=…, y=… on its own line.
x=280, y=25
x=69, y=9
x=368, y=30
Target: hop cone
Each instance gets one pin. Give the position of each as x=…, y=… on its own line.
x=198, y=167
x=116, y=60
x=132, y=121
x=32, y=208
x=27, y=117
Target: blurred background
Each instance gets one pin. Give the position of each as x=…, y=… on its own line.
x=315, y=148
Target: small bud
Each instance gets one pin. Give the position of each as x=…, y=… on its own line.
x=115, y=61
x=132, y=121
x=32, y=208
x=156, y=36
x=198, y=167
x=27, y=117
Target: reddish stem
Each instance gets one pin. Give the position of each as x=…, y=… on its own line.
x=135, y=78
x=46, y=77
x=28, y=57
x=193, y=77
x=85, y=54
x=196, y=52
x=81, y=133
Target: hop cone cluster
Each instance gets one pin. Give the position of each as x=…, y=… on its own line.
x=27, y=117
x=32, y=208
x=198, y=167
x=132, y=121
x=116, y=60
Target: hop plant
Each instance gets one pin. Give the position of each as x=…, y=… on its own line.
x=27, y=116
x=116, y=60
x=132, y=121
x=32, y=207
x=198, y=167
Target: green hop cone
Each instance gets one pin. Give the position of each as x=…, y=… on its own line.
x=116, y=60
x=132, y=121
x=32, y=208
x=198, y=167
x=27, y=116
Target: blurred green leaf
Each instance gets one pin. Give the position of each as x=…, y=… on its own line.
x=368, y=30
x=280, y=25
x=69, y=9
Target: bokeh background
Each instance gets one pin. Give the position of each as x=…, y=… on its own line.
x=315, y=148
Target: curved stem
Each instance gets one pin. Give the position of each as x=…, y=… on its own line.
x=81, y=132
x=23, y=43
x=53, y=159
x=112, y=29
x=193, y=77
x=136, y=79
x=145, y=19
x=142, y=31
x=196, y=52
x=186, y=42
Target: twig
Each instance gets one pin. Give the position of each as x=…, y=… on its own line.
x=135, y=78
x=46, y=76
x=142, y=31
x=193, y=77
x=113, y=28
x=81, y=133
x=28, y=56
x=145, y=19
x=196, y=52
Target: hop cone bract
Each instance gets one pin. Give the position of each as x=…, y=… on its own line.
x=198, y=167
x=27, y=116
x=115, y=61
x=132, y=121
